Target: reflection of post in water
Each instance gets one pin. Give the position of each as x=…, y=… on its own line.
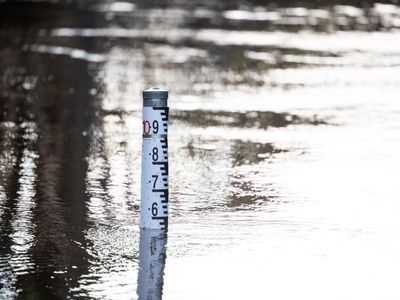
x=152, y=256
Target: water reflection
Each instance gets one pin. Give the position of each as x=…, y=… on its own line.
x=258, y=167
x=251, y=119
x=17, y=220
x=46, y=101
x=246, y=153
x=152, y=257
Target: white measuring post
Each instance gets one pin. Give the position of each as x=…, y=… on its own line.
x=154, y=189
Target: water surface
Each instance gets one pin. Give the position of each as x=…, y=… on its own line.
x=284, y=142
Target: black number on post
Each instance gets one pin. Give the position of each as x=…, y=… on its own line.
x=155, y=154
x=155, y=126
x=154, y=209
x=155, y=181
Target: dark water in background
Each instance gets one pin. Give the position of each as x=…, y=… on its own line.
x=284, y=143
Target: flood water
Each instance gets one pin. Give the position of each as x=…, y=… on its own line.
x=284, y=145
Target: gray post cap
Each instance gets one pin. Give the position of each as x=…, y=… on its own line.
x=155, y=93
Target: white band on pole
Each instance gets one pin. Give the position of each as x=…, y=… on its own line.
x=154, y=189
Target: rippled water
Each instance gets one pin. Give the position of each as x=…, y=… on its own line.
x=284, y=150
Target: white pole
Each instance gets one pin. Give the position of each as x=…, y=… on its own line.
x=154, y=189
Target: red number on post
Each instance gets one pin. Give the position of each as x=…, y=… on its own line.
x=146, y=127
